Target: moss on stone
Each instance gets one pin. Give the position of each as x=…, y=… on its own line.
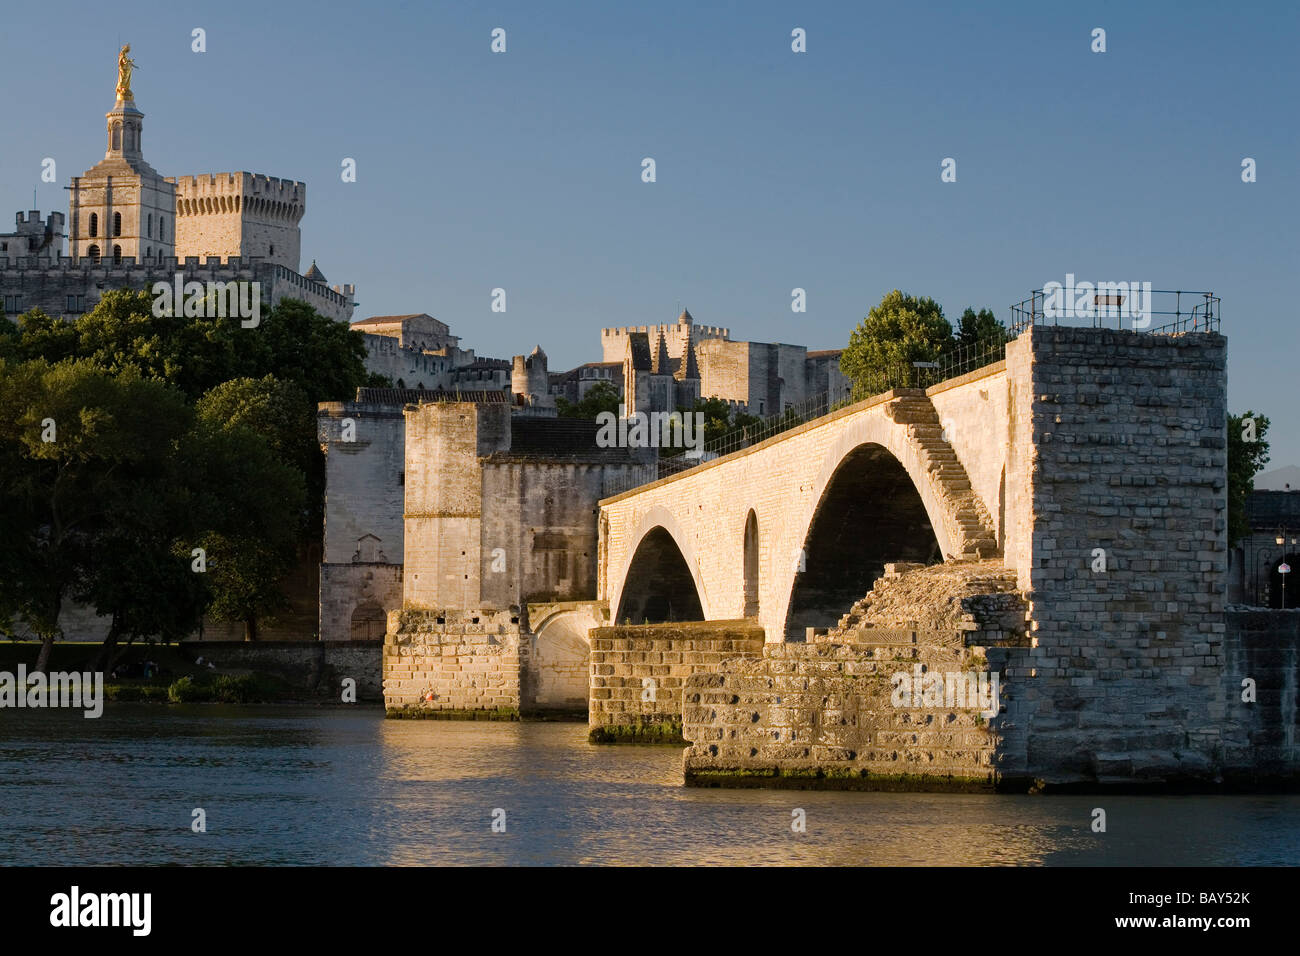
x=427, y=713
x=834, y=778
x=650, y=732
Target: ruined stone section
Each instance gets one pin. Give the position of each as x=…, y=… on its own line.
x=1119, y=443
x=455, y=664
x=784, y=481
x=1261, y=744
x=970, y=596
x=822, y=715
x=637, y=674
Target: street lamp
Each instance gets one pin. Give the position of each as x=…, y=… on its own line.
x=1283, y=569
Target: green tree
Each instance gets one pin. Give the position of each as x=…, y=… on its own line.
x=247, y=507
x=293, y=342
x=601, y=397
x=901, y=330
x=281, y=414
x=81, y=448
x=978, y=328
x=326, y=359
x=1247, y=454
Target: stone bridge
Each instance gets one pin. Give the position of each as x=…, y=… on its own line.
x=1090, y=466
x=793, y=530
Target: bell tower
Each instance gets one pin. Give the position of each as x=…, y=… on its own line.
x=121, y=207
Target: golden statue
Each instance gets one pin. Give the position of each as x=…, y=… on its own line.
x=125, y=66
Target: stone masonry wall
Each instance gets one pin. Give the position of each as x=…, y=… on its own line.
x=455, y=663
x=1260, y=738
x=1125, y=456
x=828, y=715
x=637, y=673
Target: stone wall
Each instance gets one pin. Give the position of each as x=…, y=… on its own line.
x=47, y=284
x=239, y=214
x=827, y=715
x=363, y=479
x=638, y=672
x=356, y=598
x=1125, y=458
x=538, y=535
x=308, y=665
x=444, y=500
x=1260, y=740
x=455, y=663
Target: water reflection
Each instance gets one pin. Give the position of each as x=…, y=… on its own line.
x=334, y=786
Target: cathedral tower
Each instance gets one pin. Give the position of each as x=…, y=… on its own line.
x=121, y=207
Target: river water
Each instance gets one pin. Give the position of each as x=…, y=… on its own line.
x=343, y=786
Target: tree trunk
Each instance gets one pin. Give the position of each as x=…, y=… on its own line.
x=43, y=658
x=104, y=659
x=250, y=627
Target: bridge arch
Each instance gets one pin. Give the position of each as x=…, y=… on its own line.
x=872, y=502
x=660, y=580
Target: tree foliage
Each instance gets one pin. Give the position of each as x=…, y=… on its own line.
x=601, y=397
x=1247, y=454
x=171, y=433
x=904, y=329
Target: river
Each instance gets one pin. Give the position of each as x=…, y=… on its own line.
x=304, y=785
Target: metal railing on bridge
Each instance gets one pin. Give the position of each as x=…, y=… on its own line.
x=1121, y=305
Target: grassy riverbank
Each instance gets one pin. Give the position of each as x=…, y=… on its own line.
x=175, y=676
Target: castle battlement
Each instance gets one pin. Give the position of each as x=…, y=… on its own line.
x=34, y=223
x=242, y=184
x=701, y=331
x=213, y=265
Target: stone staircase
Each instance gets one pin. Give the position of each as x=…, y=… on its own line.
x=971, y=525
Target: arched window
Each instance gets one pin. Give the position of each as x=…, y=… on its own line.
x=162, y=229
x=117, y=223
x=148, y=253
x=148, y=226
x=94, y=225
x=117, y=255
x=93, y=253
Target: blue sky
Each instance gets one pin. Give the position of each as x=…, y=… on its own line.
x=775, y=170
